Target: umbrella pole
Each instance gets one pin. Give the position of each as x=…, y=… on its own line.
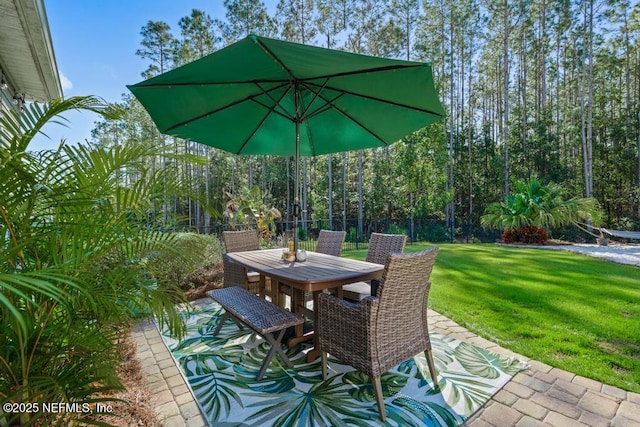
x=296, y=191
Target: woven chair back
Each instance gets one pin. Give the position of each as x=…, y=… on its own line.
x=403, y=297
x=383, y=245
x=238, y=241
x=330, y=242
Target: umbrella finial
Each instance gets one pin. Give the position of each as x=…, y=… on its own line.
x=253, y=37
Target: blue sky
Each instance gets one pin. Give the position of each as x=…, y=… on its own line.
x=95, y=44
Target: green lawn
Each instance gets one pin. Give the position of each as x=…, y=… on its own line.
x=570, y=311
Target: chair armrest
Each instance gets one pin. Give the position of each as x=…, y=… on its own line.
x=342, y=324
x=234, y=274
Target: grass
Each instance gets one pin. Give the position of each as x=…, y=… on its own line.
x=567, y=310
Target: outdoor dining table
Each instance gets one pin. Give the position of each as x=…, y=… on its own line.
x=318, y=273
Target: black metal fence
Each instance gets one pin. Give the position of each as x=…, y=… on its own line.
x=358, y=232
x=416, y=229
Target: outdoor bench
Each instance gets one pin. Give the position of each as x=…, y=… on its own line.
x=258, y=314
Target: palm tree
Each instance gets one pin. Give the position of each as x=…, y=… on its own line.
x=538, y=205
x=75, y=245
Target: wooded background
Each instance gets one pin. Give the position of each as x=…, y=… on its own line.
x=531, y=87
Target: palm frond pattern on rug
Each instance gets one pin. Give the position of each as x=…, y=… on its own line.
x=221, y=372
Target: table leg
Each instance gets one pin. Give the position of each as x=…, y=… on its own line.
x=315, y=351
x=297, y=302
x=263, y=286
x=275, y=292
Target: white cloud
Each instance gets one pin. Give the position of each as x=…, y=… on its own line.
x=65, y=82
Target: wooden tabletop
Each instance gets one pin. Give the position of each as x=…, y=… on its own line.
x=318, y=272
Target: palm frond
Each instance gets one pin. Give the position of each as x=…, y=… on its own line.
x=21, y=128
x=540, y=205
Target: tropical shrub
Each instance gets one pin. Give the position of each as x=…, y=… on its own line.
x=542, y=206
x=250, y=208
x=76, y=228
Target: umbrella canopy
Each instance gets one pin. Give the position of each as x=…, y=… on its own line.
x=265, y=96
x=245, y=97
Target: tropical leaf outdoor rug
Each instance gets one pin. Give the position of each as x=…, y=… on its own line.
x=221, y=372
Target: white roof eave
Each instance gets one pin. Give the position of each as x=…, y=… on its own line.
x=27, y=56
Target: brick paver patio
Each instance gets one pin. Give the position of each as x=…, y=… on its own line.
x=539, y=396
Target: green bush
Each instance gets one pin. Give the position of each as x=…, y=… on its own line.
x=75, y=247
x=188, y=253
x=302, y=234
x=433, y=233
x=352, y=235
x=396, y=229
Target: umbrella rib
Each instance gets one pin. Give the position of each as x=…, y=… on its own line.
x=287, y=70
x=332, y=105
x=233, y=104
x=246, y=141
x=266, y=116
x=223, y=83
x=315, y=96
x=384, y=101
x=363, y=71
x=321, y=110
x=275, y=58
x=273, y=110
x=276, y=103
x=327, y=106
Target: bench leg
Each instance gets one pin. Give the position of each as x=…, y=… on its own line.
x=275, y=348
x=225, y=316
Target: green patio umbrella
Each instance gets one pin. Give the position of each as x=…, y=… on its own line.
x=264, y=96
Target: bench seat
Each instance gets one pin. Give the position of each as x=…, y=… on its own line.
x=258, y=314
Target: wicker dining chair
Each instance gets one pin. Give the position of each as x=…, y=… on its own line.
x=235, y=274
x=330, y=242
x=380, y=332
x=380, y=247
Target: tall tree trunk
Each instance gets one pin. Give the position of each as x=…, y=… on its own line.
x=627, y=81
x=360, y=198
x=411, y=220
x=523, y=96
x=187, y=176
x=263, y=175
x=469, y=138
x=450, y=209
x=289, y=207
x=207, y=191
x=588, y=148
x=305, y=186
x=330, y=190
x=543, y=56
x=344, y=190
x=198, y=206
x=505, y=111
